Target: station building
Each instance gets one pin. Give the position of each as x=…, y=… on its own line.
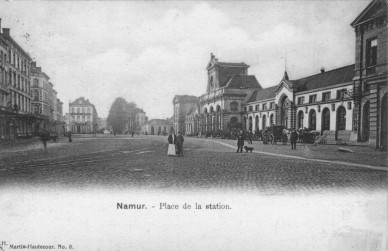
x=348, y=103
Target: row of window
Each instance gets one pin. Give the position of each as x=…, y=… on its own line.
x=16, y=61
x=79, y=118
x=326, y=96
x=79, y=110
x=263, y=107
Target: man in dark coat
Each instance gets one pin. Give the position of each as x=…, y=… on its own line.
x=69, y=135
x=45, y=136
x=240, y=143
x=179, y=144
x=293, y=138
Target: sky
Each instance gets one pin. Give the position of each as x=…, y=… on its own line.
x=148, y=52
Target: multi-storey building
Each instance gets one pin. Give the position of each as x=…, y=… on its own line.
x=41, y=103
x=4, y=89
x=15, y=99
x=83, y=116
x=182, y=105
x=140, y=118
x=46, y=107
x=348, y=103
x=370, y=79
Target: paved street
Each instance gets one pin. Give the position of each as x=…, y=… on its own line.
x=279, y=203
x=141, y=162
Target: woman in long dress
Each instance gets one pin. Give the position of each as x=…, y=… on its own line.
x=171, y=145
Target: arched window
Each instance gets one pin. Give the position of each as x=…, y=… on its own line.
x=257, y=122
x=312, y=120
x=326, y=119
x=300, y=119
x=264, y=121
x=341, y=118
x=271, y=120
x=285, y=105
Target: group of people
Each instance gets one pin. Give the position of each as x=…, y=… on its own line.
x=241, y=139
x=175, y=145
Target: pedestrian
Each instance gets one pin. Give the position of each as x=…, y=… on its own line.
x=132, y=133
x=240, y=143
x=293, y=138
x=45, y=136
x=171, y=144
x=69, y=135
x=179, y=144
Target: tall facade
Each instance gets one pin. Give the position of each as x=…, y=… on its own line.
x=83, y=116
x=45, y=105
x=15, y=99
x=347, y=103
x=370, y=79
x=182, y=105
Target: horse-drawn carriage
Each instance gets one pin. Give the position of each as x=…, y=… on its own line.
x=275, y=134
x=306, y=136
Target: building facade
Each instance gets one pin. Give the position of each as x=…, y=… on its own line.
x=155, y=127
x=347, y=103
x=15, y=99
x=83, y=116
x=370, y=78
x=182, y=105
x=45, y=105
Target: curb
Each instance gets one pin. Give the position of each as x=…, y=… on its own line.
x=381, y=168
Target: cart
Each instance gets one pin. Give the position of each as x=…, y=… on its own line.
x=277, y=134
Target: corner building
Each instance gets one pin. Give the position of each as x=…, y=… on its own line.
x=83, y=116
x=15, y=99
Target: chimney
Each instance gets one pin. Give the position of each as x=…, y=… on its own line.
x=33, y=63
x=322, y=69
x=211, y=56
x=6, y=31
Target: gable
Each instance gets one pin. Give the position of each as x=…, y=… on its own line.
x=374, y=9
x=284, y=83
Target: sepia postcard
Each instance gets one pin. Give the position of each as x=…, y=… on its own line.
x=194, y=125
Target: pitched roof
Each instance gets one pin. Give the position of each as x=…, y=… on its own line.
x=238, y=81
x=158, y=121
x=84, y=101
x=374, y=8
x=263, y=94
x=225, y=64
x=337, y=76
x=185, y=98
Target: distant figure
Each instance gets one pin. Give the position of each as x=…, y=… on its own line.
x=240, y=143
x=45, y=136
x=132, y=133
x=69, y=135
x=171, y=144
x=179, y=144
x=293, y=138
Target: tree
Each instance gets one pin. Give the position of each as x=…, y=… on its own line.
x=122, y=115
